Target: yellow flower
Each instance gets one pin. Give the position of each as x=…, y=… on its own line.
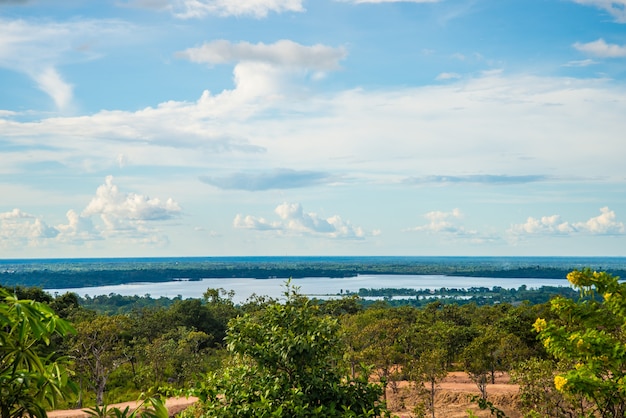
x=559, y=383
x=576, y=278
x=607, y=296
x=540, y=324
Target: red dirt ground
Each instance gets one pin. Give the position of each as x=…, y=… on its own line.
x=451, y=401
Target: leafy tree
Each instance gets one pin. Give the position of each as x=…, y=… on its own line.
x=286, y=362
x=30, y=382
x=485, y=355
x=427, y=354
x=374, y=337
x=588, y=335
x=99, y=348
x=177, y=355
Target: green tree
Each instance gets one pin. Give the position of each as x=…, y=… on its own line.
x=99, y=348
x=492, y=350
x=287, y=362
x=30, y=382
x=588, y=336
x=427, y=355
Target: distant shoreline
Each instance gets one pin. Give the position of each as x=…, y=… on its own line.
x=89, y=272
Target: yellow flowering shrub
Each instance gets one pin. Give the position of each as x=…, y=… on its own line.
x=560, y=382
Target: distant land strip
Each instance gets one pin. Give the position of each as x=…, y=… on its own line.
x=61, y=274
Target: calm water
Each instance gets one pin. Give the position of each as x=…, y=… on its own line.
x=314, y=286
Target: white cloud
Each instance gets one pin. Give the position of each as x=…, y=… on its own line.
x=118, y=209
x=603, y=224
x=545, y=225
x=440, y=221
x=188, y=9
x=516, y=126
x=447, y=225
x=580, y=63
x=283, y=53
x=389, y=1
x=293, y=220
x=601, y=49
x=448, y=76
x=37, y=49
x=617, y=8
x=79, y=229
x=15, y=214
x=51, y=83
x=125, y=217
x=19, y=229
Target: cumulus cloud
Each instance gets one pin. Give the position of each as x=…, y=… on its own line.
x=79, y=229
x=283, y=53
x=546, y=225
x=293, y=220
x=188, y=9
x=601, y=49
x=268, y=180
x=125, y=217
x=448, y=225
x=120, y=210
x=21, y=229
x=439, y=221
x=603, y=224
x=617, y=8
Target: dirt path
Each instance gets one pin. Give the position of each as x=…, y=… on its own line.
x=452, y=399
x=174, y=406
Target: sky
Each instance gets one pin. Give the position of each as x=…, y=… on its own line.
x=136, y=128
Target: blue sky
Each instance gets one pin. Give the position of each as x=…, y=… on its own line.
x=312, y=127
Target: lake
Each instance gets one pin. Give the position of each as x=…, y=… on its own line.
x=310, y=286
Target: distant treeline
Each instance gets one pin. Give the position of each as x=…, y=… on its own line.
x=75, y=273
x=480, y=296
x=389, y=297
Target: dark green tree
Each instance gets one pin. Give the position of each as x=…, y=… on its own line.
x=287, y=362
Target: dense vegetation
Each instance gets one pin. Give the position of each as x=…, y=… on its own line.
x=303, y=357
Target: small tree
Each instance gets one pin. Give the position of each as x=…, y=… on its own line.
x=29, y=381
x=98, y=348
x=427, y=357
x=286, y=362
x=589, y=336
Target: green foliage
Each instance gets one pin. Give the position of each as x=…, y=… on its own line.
x=148, y=408
x=286, y=362
x=427, y=349
x=30, y=382
x=99, y=347
x=484, y=404
x=538, y=396
x=588, y=335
